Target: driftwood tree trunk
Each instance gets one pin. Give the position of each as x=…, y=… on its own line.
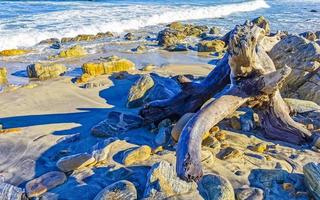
x=254, y=81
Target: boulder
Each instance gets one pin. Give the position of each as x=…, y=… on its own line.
x=107, y=66
x=140, y=49
x=303, y=57
x=119, y=190
x=116, y=123
x=42, y=184
x=178, y=47
x=100, y=151
x=50, y=41
x=3, y=75
x=138, y=91
x=44, y=72
x=309, y=35
x=73, y=162
x=129, y=36
x=211, y=46
x=11, y=192
x=249, y=194
x=215, y=187
x=214, y=30
x=150, y=88
x=169, y=37
x=74, y=51
x=13, y=52
x=262, y=22
x=137, y=155
x=106, y=34
x=162, y=181
x=311, y=173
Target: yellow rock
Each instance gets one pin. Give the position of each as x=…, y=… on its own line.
x=287, y=186
x=148, y=68
x=222, y=135
x=10, y=130
x=75, y=51
x=230, y=153
x=107, y=66
x=261, y=147
x=44, y=72
x=211, y=46
x=84, y=78
x=3, y=75
x=214, y=130
x=157, y=150
x=13, y=52
x=138, y=155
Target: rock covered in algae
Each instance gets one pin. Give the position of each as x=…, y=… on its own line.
x=44, y=71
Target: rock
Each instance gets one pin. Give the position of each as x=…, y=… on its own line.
x=100, y=151
x=211, y=46
x=169, y=37
x=74, y=51
x=176, y=26
x=312, y=10
x=221, y=135
x=214, y=30
x=13, y=52
x=162, y=181
x=84, y=78
x=164, y=88
x=138, y=91
x=106, y=34
x=78, y=38
x=129, y=36
x=44, y=72
x=56, y=45
x=178, y=47
x=107, y=66
x=247, y=120
x=177, y=129
x=311, y=173
x=235, y=123
x=249, y=194
x=148, y=68
x=260, y=148
x=3, y=75
x=50, y=41
x=270, y=181
x=42, y=184
x=164, y=132
x=140, y=49
x=215, y=187
x=262, y=23
x=301, y=106
x=119, y=190
x=303, y=57
x=116, y=123
x=73, y=162
x=316, y=141
x=309, y=35
x=11, y=192
x=137, y=155
x=229, y=153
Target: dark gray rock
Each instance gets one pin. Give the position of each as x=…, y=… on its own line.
x=116, y=123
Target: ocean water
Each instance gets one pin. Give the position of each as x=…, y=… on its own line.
x=25, y=23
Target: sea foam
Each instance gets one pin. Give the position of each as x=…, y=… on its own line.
x=84, y=18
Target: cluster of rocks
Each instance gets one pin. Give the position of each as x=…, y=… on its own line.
x=78, y=38
x=172, y=37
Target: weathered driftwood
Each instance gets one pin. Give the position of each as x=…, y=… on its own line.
x=254, y=81
x=312, y=179
x=192, y=96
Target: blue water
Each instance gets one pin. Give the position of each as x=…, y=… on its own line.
x=25, y=23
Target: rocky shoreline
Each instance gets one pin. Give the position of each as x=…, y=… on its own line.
x=81, y=137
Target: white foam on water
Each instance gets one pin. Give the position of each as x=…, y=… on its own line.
x=26, y=31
